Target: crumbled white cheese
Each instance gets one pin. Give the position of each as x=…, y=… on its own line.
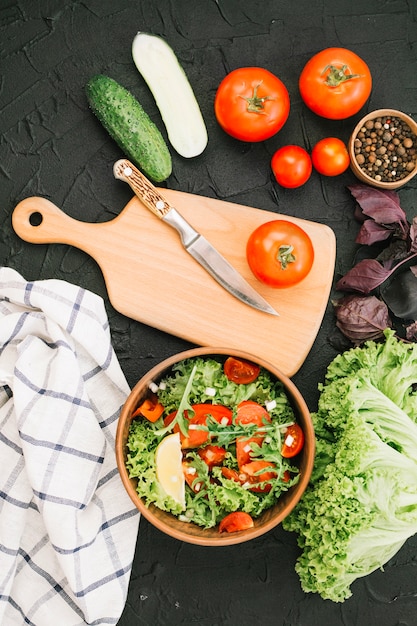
x=271, y=405
x=153, y=387
x=289, y=440
x=210, y=391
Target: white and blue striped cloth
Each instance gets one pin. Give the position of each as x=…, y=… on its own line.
x=68, y=529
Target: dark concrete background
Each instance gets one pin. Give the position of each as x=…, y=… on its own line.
x=51, y=145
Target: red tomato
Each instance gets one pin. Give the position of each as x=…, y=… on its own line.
x=196, y=436
x=249, y=412
x=242, y=478
x=335, y=83
x=330, y=156
x=239, y=520
x=240, y=371
x=291, y=166
x=293, y=441
x=280, y=253
x=259, y=471
x=191, y=477
x=251, y=104
x=212, y=455
x=232, y=474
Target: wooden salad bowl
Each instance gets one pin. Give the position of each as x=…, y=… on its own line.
x=188, y=531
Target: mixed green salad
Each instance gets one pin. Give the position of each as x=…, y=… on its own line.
x=238, y=433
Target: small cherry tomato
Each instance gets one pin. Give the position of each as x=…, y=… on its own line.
x=191, y=477
x=291, y=166
x=259, y=471
x=238, y=520
x=330, y=156
x=212, y=455
x=232, y=474
x=240, y=371
x=249, y=412
x=280, y=253
x=335, y=83
x=251, y=104
x=197, y=433
x=293, y=441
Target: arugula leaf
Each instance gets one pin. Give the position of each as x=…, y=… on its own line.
x=180, y=418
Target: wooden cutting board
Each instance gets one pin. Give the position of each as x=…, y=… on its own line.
x=151, y=278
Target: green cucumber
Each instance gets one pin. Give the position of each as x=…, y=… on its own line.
x=130, y=126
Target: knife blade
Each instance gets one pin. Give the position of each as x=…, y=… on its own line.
x=194, y=243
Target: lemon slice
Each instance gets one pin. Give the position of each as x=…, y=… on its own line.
x=168, y=461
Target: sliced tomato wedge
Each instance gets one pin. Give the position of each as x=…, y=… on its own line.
x=293, y=441
x=191, y=477
x=212, y=455
x=196, y=436
x=259, y=471
x=249, y=412
x=238, y=520
x=248, y=477
x=240, y=371
x=233, y=474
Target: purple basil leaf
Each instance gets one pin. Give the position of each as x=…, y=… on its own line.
x=371, y=232
x=358, y=214
x=400, y=295
x=361, y=318
x=363, y=277
x=384, y=207
x=397, y=250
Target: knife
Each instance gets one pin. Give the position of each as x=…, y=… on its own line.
x=194, y=243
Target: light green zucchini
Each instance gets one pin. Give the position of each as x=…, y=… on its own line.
x=174, y=96
x=130, y=126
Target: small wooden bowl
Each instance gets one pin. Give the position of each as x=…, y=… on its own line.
x=189, y=532
x=356, y=168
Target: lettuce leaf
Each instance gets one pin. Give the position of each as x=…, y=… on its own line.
x=361, y=504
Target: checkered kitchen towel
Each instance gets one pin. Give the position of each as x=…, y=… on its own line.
x=67, y=527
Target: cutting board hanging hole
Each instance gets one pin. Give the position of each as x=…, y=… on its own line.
x=35, y=219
